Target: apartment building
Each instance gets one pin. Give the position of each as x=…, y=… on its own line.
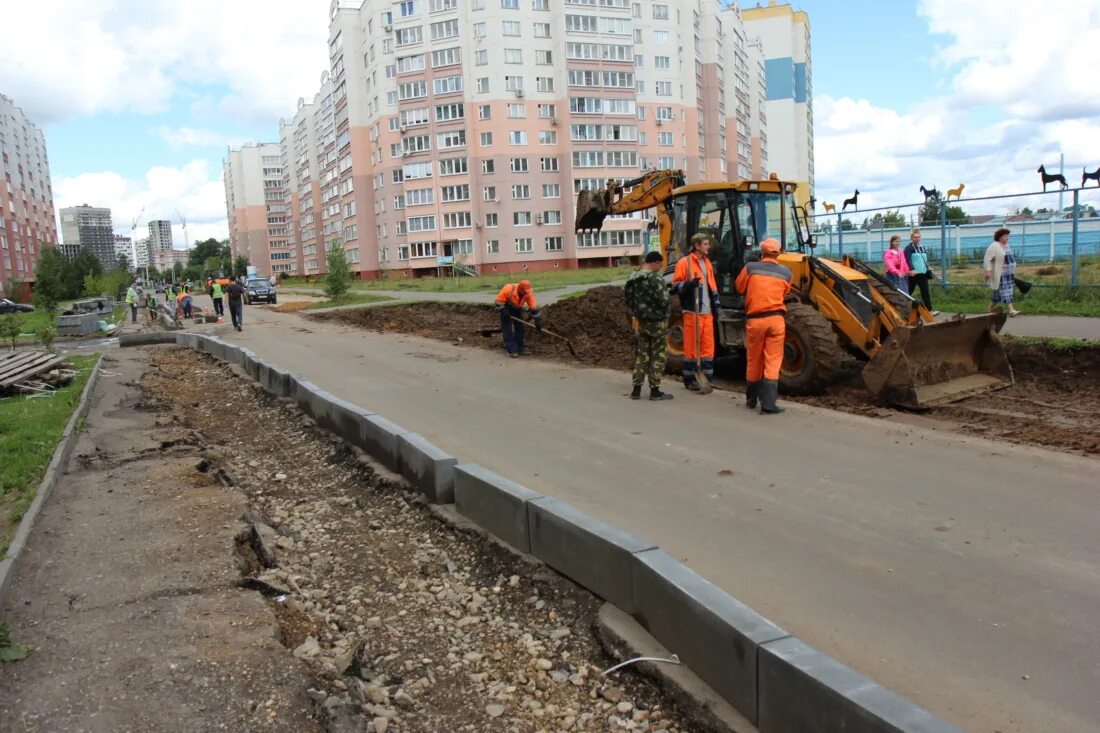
x=91, y=228
x=456, y=133
x=255, y=206
x=27, y=222
x=784, y=34
x=160, y=235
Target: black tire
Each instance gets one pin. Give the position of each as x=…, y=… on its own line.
x=674, y=342
x=893, y=296
x=272, y=300
x=811, y=353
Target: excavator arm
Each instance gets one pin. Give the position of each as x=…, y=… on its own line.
x=648, y=191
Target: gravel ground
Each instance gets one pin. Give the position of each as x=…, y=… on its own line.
x=408, y=623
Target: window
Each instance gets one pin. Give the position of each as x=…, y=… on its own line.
x=551, y=190
x=540, y=4
x=437, y=6
x=453, y=166
x=665, y=113
x=544, y=58
x=491, y=221
x=457, y=220
x=547, y=111
x=551, y=217
x=510, y=28
x=518, y=165
x=544, y=83
x=412, y=171
x=406, y=64
x=523, y=245
x=447, y=112
x=483, y=84
x=517, y=110
x=412, y=90
x=412, y=117
x=447, y=84
x=581, y=23
x=521, y=191
x=408, y=36
x=420, y=223
x=548, y=137
x=420, y=197
x=513, y=56
x=391, y=98
x=660, y=12
x=484, y=112
x=509, y=4
x=425, y=249
x=464, y=247
x=517, y=137
x=405, y=8
x=662, y=62
x=350, y=233
x=639, y=61
x=444, y=29
x=486, y=139
x=450, y=139
x=446, y=57
x=513, y=83
x=542, y=30
x=641, y=138
x=492, y=246
x=666, y=161
x=664, y=89
x=664, y=138
x=416, y=144
x=521, y=218
x=481, y=57
x=548, y=165
x=399, y=202
x=398, y=175
x=479, y=30
x=488, y=166
x=553, y=244
x=489, y=193
x=660, y=36
x=403, y=252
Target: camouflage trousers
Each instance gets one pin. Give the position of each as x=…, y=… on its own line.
x=649, y=359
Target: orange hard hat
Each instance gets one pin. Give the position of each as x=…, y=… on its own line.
x=769, y=247
x=524, y=284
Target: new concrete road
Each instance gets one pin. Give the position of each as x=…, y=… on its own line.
x=962, y=573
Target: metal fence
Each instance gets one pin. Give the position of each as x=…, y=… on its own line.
x=1064, y=235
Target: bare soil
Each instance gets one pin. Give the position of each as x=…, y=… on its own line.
x=1055, y=401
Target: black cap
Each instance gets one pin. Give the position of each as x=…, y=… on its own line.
x=653, y=256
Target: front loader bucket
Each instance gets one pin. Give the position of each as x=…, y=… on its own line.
x=592, y=209
x=932, y=364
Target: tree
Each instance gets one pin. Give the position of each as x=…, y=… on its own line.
x=894, y=219
x=50, y=284
x=206, y=249
x=1026, y=211
x=930, y=214
x=10, y=328
x=240, y=266
x=177, y=270
x=84, y=264
x=338, y=277
x=192, y=272
x=47, y=335
x=847, y=225
x=122, y=262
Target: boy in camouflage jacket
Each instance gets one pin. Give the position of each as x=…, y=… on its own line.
x=647, y=297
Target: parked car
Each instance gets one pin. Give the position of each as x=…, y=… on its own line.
x=259, y=289
x=8, y=306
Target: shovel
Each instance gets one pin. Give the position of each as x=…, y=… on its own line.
x=496, y=329
x=704, y=384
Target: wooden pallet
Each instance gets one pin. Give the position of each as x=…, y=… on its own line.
x=17, y=366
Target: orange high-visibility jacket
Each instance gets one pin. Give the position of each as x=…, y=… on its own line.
x=765, y=285
x=688, y=268
x=509, y=294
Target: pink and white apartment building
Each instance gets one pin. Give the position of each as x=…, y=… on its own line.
x=27, y=220
x=455, y=133
x=256, y=207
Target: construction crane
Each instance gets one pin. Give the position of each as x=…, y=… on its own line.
x=183, y=223
x=133, y=244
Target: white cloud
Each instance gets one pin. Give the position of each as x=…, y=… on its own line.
x=67, y=58
x=180, y=137
x=193, y=190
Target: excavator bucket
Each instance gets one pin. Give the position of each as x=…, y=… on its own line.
x=932, y=364
x=592, y=208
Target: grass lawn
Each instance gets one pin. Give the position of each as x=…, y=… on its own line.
x=29, y=431
x=31, y=322
x=547, y=280
x=1053, y=301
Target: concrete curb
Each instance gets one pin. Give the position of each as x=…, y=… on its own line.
x=54, y=471
x=147, y=338
x=771, y=678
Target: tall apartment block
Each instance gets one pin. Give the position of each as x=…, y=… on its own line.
x=785, y=36
x=27, y=221
x=91, y=228
x=160, y=235
x=256, y=208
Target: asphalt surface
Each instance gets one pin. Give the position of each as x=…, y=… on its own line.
x=962, y=573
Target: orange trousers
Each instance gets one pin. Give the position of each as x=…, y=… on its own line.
x=706, y=338
x=764, y=347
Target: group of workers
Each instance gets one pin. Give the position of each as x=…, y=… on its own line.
x=764, y=283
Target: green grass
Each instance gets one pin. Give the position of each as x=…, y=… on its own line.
x=31, y=322
x=349, y=299
x=1053, y=301
x=547, y=280
x=1051, y=343
x=29, y=431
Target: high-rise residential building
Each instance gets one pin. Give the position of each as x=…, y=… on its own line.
x=160, y=235
x=27, y=221
x=255, y=205
x=137, y=253
x=92, y=229
x=784, y=34
x=454, y=134
x=124, y=246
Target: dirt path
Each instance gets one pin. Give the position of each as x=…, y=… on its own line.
x=1055, y=402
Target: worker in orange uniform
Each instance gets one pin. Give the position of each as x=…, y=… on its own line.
x=765, y=285
x=511, y=301
x=694, y=281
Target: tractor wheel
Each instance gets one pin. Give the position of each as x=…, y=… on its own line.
x=674, y=342
x=894, y=297
x=811, y=353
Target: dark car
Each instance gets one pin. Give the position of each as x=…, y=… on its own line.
x=8, y=306
x=259, y=290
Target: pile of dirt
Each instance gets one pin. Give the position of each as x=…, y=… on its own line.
x=597, y=323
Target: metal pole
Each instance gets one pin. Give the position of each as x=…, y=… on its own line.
x=1062, y=171
x=839, y=236
x=943, y=243
x=1050, y=258
x=1073, y=242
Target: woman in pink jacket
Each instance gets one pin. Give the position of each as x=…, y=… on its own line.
x=897, y=269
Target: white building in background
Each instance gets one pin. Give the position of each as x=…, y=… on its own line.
x=784, y=34
x=160, y=235
x=255, y=203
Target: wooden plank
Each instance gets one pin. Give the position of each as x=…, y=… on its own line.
x=23, y=364
x=45, y=366
x=12, y=359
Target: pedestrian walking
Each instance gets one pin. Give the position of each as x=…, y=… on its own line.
x=132, y=300
x=1000, y=272
x=216, y=295
x=511, y=302
x=647, y=297
x=235, y=294
x=694, y=282
x=920, y=270
x=152, y=303
x=897, y=269
x=765, y=285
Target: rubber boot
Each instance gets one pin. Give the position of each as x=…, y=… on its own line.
x=752, y=393
x=655, y=393
x=769, y=393
x=636, y=393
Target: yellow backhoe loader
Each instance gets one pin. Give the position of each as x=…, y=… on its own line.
x=837, y=307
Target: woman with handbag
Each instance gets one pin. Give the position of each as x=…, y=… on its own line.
x=920, y=270
x=1000, y=272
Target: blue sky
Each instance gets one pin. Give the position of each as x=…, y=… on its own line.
x=139, y=98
